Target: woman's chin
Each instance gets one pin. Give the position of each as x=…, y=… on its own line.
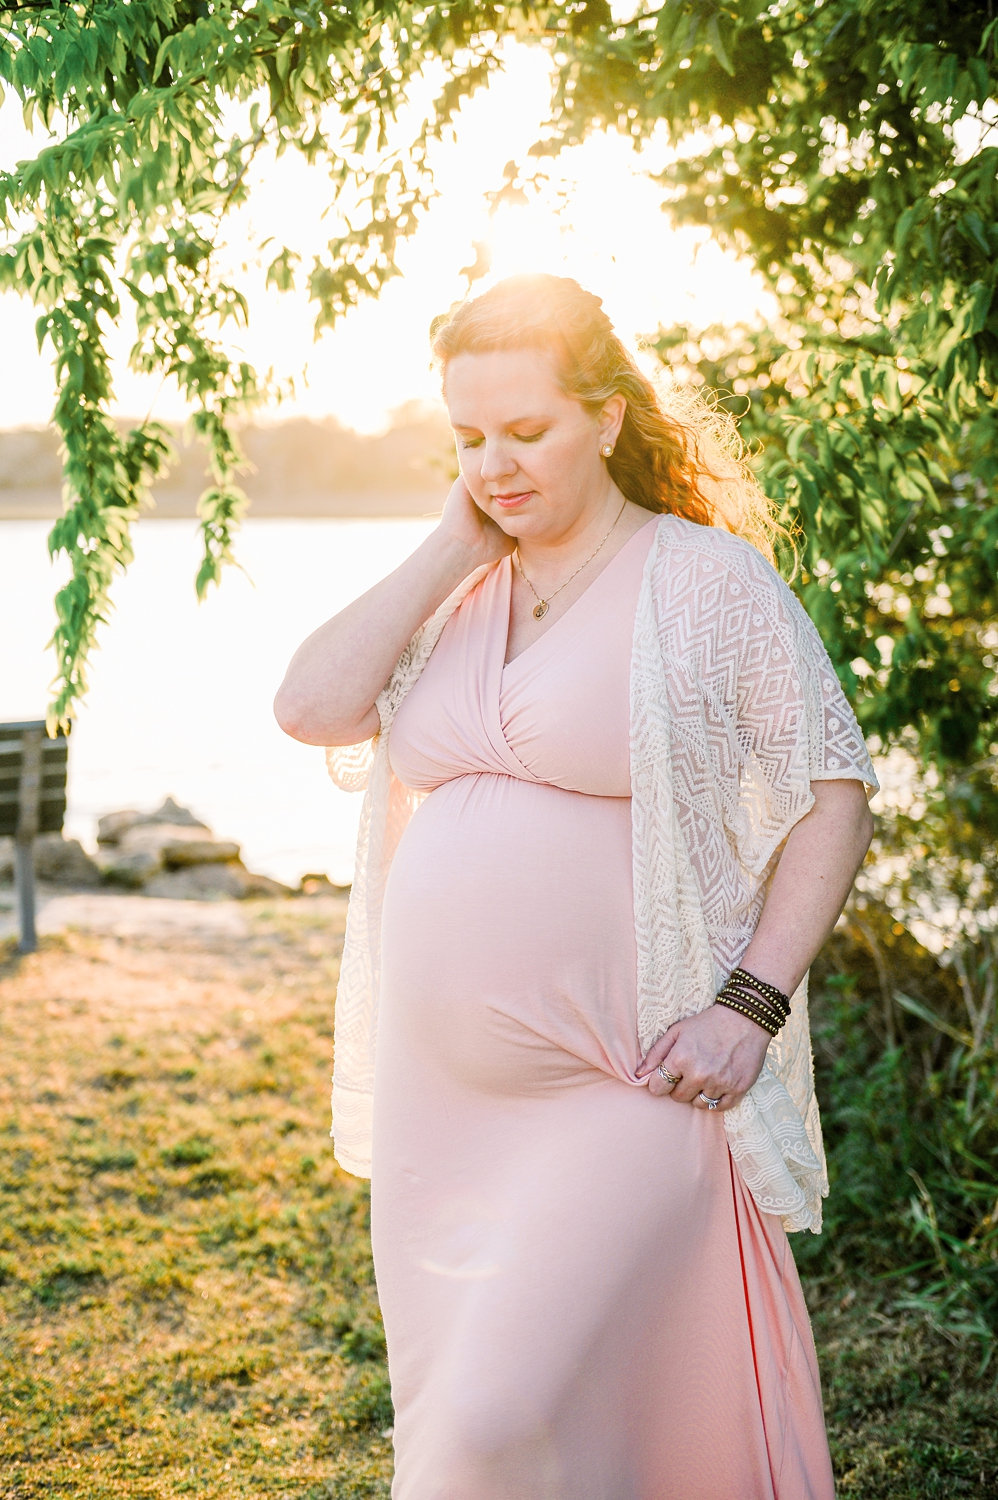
x=511, y=522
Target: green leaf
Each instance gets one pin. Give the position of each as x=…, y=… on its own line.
x=717, y=45
x=938, y=1023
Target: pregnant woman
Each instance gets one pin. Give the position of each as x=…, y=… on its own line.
x=615, y=802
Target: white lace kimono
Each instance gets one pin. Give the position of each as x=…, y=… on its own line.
x=735, y=710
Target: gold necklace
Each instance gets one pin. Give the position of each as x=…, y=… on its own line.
x=541, y=607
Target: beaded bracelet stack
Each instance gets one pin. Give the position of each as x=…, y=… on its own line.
x=754, y=998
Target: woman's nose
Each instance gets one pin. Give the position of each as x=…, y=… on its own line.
x=497, y=461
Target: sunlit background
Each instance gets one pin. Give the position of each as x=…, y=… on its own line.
x=610, y=233
x=180, y=696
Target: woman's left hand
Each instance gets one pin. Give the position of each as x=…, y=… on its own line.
x=717, y=1052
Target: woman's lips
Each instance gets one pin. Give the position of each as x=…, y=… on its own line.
x=510, y=502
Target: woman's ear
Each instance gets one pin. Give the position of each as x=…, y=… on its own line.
x=611, y=418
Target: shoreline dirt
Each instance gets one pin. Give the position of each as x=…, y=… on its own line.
x=122, y=915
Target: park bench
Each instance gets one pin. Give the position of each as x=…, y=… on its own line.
x=32, y=801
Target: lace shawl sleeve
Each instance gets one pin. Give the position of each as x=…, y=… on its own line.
x=349, y=766
x=736, y=710
x=800, y=725
x=777, y=718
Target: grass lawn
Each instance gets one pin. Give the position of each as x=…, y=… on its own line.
x=187, y=1304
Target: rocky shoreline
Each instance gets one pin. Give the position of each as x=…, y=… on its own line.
x=167, y=852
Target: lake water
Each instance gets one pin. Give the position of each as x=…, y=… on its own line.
x=180, y=693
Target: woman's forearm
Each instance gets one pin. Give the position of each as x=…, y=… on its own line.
x=327, y=696
x=721, y=1051
x=811, y=883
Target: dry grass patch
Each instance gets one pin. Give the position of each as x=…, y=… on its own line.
x=185, y=1274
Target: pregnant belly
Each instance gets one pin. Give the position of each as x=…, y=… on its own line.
x=508, y=946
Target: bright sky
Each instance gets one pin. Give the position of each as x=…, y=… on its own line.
x=612, y=237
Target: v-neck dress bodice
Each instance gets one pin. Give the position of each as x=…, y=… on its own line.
x=566, y=1263
x=557, y=713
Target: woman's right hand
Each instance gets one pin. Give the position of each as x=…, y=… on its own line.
x=329, y=691
x=463, y=522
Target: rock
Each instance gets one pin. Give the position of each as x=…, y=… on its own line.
x=113, y=825
x=213, y=881
x=172, y=812
x=197, y=850
x=320, y=885
x=264, y=885
x=168, y=852
x=128, y=867
x=63, y=861
x=58, y=860
x=197, y=883
x=144, y=838
x=177, y=845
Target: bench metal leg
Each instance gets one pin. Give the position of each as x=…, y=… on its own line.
x=24, y=866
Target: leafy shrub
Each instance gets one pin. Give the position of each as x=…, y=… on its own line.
x=906, y=1051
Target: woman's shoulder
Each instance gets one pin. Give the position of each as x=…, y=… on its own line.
x=708, y=572
x=706, y=548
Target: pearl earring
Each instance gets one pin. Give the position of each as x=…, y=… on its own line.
x=607, y=450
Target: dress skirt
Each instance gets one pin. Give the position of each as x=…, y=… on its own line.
x=581, y=1299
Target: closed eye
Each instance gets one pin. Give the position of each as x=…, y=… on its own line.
x=521, y=437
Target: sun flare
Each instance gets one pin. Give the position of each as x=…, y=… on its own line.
x=594, y=214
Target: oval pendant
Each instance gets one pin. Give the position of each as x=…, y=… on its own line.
x=540, y=610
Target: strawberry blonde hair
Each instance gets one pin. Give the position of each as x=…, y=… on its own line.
x=675, y=452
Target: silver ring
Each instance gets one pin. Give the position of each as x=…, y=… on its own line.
x=710, y=1103
x=663, y=1072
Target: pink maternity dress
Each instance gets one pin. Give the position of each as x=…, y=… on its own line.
x=581, y=1299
